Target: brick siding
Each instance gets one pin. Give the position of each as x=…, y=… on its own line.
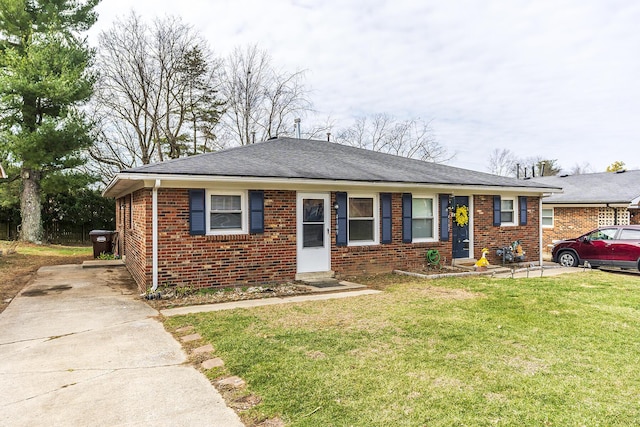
x=219, y=261
x=493, y=238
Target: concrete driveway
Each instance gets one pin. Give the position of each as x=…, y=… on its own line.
x=77, y=348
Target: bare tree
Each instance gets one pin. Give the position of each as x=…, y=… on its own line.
x=408, y=138
x=262, y=102
x=502, y=162
x=579, y=169
x=157, y=93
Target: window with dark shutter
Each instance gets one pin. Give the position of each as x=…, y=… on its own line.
x=497, y=208
x=341, y=219
x=407, y=217
x=385, y=201
x=444, y=217
x=522, y=202
x=197, y=223
x=256, y=212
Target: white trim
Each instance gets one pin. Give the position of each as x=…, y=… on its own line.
x=244, y=206
x=306, y=184
x=553, y=216
x=376, y=219
x=516, y=208
x=540, y=239
x=435, y=211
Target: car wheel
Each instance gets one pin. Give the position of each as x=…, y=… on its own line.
x=568, y=259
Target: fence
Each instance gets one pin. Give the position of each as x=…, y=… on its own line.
x=60, y=234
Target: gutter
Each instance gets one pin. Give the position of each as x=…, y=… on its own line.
x=187, y=181
x=154, y=235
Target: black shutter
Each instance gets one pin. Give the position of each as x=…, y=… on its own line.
x=497, y=207
x=197, y=223
x=444, y=217
x=256, y=212
x=385, y=200
x=407, y=215
x=522, y=202
x=341, y=219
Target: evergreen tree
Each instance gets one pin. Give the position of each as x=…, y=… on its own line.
x=43, y=81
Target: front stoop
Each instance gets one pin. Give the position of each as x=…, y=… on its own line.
x=315, y=275
x=98, y=263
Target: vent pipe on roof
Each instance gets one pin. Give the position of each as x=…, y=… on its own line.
x=253, y=137
x=329, y=136
x=296, y=127
x=518, y=170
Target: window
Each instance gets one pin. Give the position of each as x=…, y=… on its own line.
x=507, y=211
x=422, y=221
x=547, y=217
x=603, y=234
x=362, y=220
x=226, y=214
x=629, y=234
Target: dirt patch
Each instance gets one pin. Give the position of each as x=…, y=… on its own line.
x=179, y=297
x=18, y=269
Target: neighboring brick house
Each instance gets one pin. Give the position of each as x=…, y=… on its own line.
x=587, y=202
x=286, y=208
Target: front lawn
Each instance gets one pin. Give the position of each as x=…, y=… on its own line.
x=557, y=351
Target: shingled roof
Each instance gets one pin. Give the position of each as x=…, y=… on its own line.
x=594, y=188
x=322, y=160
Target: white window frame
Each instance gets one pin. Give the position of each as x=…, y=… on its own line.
x=542, y=217
x=244, y=221
x=516, y=207
x=376, y=219
x=435, y=217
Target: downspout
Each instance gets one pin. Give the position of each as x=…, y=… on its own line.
x=540, y=229
x=154, y=235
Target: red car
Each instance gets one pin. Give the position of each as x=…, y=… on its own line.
x=612, y=246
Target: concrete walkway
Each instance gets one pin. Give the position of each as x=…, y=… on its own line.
x=77, y=348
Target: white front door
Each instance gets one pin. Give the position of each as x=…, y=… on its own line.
x=313, y=232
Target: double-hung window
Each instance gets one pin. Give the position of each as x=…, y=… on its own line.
x=422, y=220
x=362, y=220
x=508, y=211
x=227, y=213
x=547, y=217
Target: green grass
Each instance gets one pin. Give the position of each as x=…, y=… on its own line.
x=561, y=351
x=46, y=250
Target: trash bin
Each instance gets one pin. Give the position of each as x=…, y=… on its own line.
x=102, y=241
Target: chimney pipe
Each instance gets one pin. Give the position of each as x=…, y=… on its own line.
x=296, y=126
x=329, y=136
x=253, y=137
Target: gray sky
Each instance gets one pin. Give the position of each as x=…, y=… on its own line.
x=551, y=78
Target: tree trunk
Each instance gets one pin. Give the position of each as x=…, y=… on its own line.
x=30, y=207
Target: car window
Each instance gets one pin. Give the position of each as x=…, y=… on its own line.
x=603, y=234
x=629, y=234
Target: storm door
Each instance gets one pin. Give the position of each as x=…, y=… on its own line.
x=313, y=232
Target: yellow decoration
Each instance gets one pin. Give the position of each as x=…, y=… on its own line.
x=462, y=215
x=483, y=262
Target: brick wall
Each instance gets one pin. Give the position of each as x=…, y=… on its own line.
x=206, y=261
x=570, y=222
x=382, y=258
x=136, y=240
x=493, y=238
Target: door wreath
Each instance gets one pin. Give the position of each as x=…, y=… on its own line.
x=462, y=215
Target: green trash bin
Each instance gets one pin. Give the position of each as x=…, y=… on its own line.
x=102, y=241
